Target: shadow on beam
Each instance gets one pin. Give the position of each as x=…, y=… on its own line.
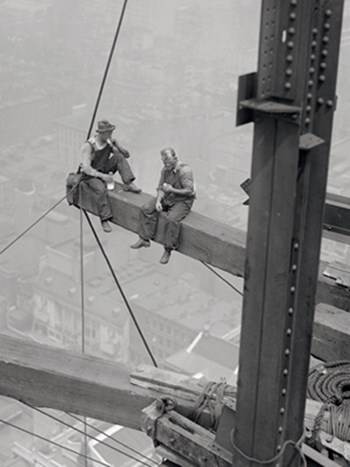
x=208, y=240
x=201, y=238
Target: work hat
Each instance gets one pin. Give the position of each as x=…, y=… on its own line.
x=104, y=125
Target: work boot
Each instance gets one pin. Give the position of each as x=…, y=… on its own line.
x=140, y=243
x=165, y=257
x=131, y=187
x=106, y=227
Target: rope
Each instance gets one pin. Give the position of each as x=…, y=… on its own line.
x=38, y=220
x=121, y=290
x=113, y=439
x=28, y=432
x=295, y=444
x=120, y=22
x=330, y=383
x=222, y=278
x=86, y=434
x=211, y=398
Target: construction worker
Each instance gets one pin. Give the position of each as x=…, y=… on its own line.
x=101, y=158
x=175, y=196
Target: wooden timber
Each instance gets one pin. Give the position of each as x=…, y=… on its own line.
x=48, y=377
x=331, y=334
x=207, y=240
x=45, y=376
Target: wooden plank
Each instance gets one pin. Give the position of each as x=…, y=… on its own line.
x=45, y=376
x=201, y=237
x=331, y=334
x=207, y=240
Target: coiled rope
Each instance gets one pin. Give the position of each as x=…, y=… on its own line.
x=330, y=383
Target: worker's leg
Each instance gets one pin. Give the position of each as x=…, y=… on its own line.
x=148, y=220
x=118, y=163
x=148, y=224
x=174, y=216
x=96, y=188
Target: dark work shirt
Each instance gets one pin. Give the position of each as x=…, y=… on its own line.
x=179, y=178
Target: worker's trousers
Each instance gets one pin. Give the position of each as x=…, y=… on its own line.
x=97, y=189
x=174, y=215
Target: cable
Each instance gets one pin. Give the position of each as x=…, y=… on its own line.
x=121, y=290
x=54, y=443
x=38, y=220
x=121, y=17
x=82, y=432
x=222, y=278
x=295, y=444
x=113, y=439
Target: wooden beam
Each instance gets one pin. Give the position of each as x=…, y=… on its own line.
x=207, y=240
x=201, y=237
x=45, y=376
x=331, y=334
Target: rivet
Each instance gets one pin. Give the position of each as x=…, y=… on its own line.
x=329, y=103
x=289, y=332
x=293, y=2
x=323, y=65
x=312, y=57
x=285, y=372
x=324, y=53
x=328, y=13
x=284, y=392
x=292, y=16
x=310, y=82
x=289, y=58
x=314, y=31
x=290, y=311
x=282, y=410
x=320, y=101
x=294, y=116
x=313, y=43
x=290, y=44
x=291, y=30
x=325, y=40
x=312, y=70
x=295, y=267
x=278, y=448
x=289, y=72
x=322, y=78
x=307, y=121
x=280, y=429
x=287, y=352
x=292, y=289
x=327, y=26
x=296, y=244
x=287, y=85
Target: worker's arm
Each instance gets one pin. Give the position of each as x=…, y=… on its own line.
x=119, y=148
x=86, y=164
x=160, y=192
x=187, y=183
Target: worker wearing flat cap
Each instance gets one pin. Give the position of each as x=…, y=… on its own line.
x=102, y=157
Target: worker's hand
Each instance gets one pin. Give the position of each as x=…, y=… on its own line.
x=167, y=188
x=159, y=206
x=107, y=178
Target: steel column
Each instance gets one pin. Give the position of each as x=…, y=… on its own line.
x=293, y=108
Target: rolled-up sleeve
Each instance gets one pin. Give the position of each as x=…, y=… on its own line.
x=86, y=159
x=187, y=180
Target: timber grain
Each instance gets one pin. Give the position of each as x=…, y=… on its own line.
x=205, y=239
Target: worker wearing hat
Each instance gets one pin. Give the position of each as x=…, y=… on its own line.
x=102, y=157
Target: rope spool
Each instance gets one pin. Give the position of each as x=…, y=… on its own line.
x=330, y=383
